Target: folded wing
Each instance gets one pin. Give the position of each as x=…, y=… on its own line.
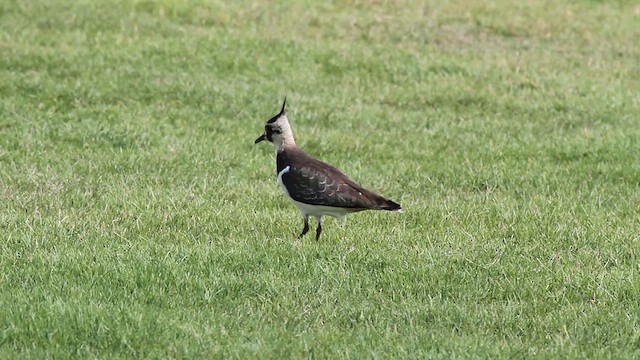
x=322, y=184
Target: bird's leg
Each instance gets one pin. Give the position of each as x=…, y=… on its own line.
x=319, y=229
x=306, y=226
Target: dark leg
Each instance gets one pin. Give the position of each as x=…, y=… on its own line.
x=306, y=227
x=319, y=229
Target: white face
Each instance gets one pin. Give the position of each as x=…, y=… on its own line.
x=278, y=132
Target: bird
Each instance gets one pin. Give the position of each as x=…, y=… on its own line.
x=315, y=187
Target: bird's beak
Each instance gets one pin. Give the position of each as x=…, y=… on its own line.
x=261, y=138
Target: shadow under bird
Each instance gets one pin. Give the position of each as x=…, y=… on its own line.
x=315, y=187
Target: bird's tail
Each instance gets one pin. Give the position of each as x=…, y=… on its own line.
x=390, y=206
x=375, y=201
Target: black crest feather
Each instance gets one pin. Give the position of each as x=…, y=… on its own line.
x=282, y=112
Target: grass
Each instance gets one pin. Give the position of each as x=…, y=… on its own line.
x=138, y=220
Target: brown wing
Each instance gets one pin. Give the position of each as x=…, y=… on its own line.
x=314, y=182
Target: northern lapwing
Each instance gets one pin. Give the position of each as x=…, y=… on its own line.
x=315, y=187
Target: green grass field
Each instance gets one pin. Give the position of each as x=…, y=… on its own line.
x=138, y=219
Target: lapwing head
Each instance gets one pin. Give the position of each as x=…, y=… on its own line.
x=277, y=130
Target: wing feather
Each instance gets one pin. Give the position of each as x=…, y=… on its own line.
x=314, y=182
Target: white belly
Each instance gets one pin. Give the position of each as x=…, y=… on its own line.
x=320, y=210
